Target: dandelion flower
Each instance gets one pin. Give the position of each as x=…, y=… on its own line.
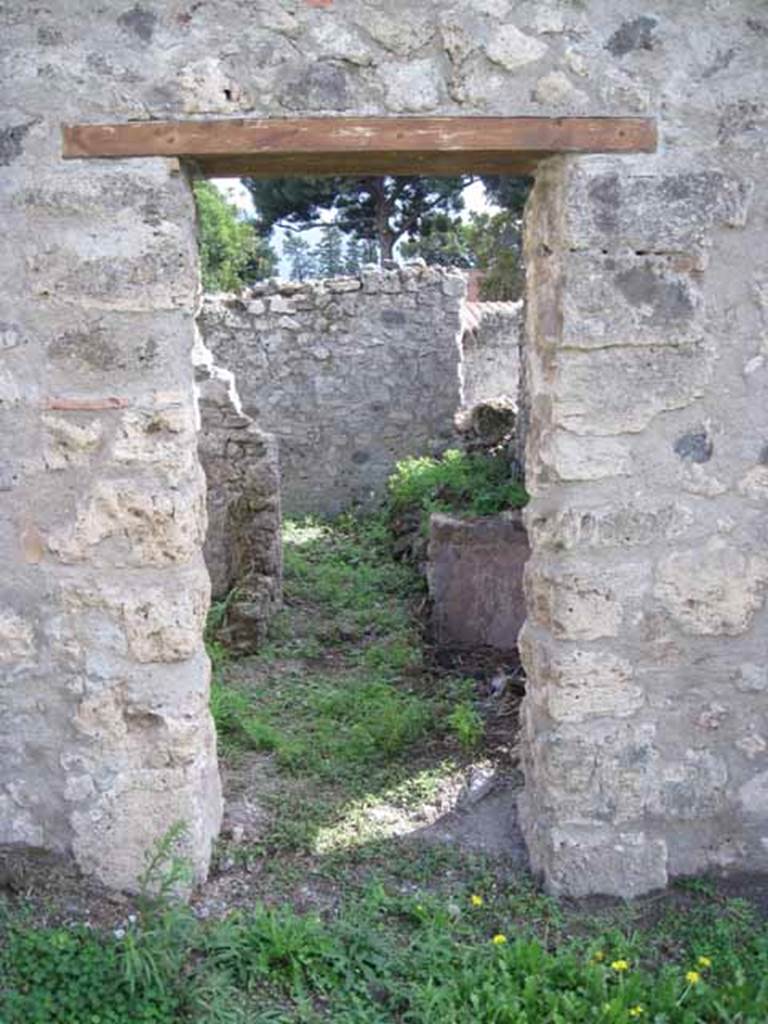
x=636, y=1011
x=499, y=940
x=692, y=977
x=475, y=900
x=704, y=961
x=620, y=965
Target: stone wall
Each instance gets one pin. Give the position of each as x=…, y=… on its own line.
x=645, y=723
x=490, y=351
x=243, y=548
x=350, y=375
x=105, y=733
x=646, y=731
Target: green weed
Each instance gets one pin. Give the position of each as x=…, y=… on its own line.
x=347, y=711
x=238, y=727
x=467, y=724
x=470, y=952
x=461, y=483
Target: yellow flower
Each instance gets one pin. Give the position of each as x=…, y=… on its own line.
x=598, y=956
x=620, y=965
x=475, y=900
x=704, y=961
x=499, y=940
x=636, y=1011
x=692, y=977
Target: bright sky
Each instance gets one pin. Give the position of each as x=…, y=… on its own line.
x=236, y=192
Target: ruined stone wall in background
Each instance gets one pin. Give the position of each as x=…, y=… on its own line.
x=646, y=724
x=490, y=351
x=243, y=548
x=349, y=374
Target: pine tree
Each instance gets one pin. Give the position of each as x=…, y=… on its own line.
x=369, y=251
x=352, y=260
x=379, y=209
x=299, y=252
x=329, y=255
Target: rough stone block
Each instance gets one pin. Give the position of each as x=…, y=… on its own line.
x=414, y=86
x=121, y=524
x=753, y=797
x=136, y=348
x=715, y=591
x=693, y=788
x=650, y=380
x=149, y=623
x=113, y=833
x=475, y=570
x=576, y=685
x=583, y=860
x=573, y=457
x=585, y=600
x=17, y=824
x=162, y=438
x=572, y=769
x=69, y=443
x=17, y=638
x=514, y=49
x=665, y=213
x=629, y=300
x=606, y=526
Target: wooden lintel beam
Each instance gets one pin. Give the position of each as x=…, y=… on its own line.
x=271, y=165
x=367, y=145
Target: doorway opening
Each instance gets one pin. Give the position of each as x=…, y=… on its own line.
x=374, y=343
x=320, y=147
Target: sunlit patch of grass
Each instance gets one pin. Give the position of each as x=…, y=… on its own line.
x=376, y=816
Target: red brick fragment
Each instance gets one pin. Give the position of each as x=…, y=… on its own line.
x=86, y=404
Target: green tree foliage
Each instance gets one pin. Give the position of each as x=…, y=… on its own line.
x=352, y=256
x=298, y=252
x=329, y=253
x=495, y=243
x=490, y=242
x=444, y=243
x=358, y=252
x=232, y=253
x=510, y=193
x=374, y=209
x=496, y=239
